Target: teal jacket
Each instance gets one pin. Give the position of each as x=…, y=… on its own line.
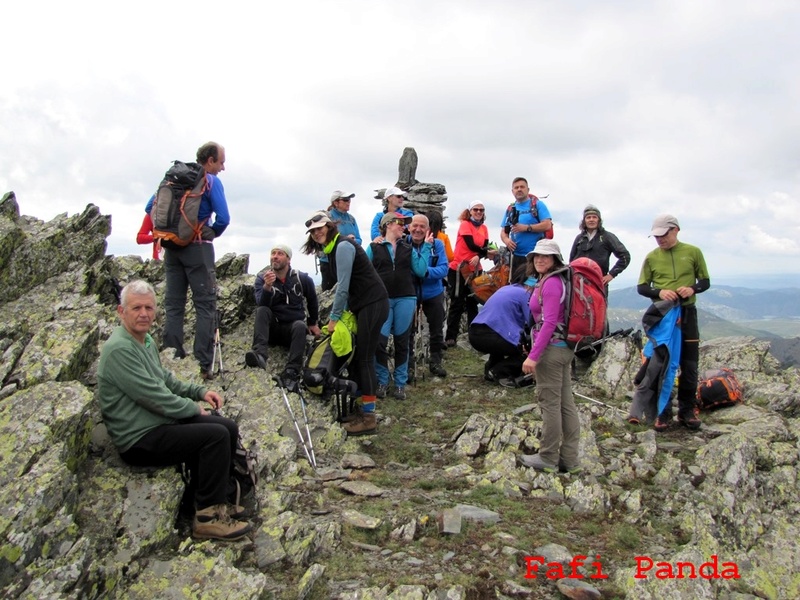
x=136, y=394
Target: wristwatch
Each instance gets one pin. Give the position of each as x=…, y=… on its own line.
x=530, y=228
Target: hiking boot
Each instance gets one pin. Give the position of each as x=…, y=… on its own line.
x=535, y=462
x=236, y=511
x=214, y=523
x=633, y=420
x=381, y=391
x=357, y=414
x=449, y=344
x=365, y=424
x=661, y=424
x=400, y=392
x=563, y=468
x=437, y=369
x=253, y=359
x=691, y=421
x=289, y=379
x=490, y=375
x=206, y=374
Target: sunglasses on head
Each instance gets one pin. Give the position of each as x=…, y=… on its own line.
x=315, y=219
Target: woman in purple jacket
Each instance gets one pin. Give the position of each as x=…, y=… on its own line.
x=550, y=361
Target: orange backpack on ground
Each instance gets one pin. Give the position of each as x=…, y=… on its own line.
x=718, y=388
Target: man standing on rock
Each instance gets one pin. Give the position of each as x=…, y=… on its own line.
x=193, y=266
x=155, y=420
x=525, y=222
x=287, y=308
x=676, y=272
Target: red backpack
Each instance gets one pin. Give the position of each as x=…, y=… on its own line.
x=586, y=303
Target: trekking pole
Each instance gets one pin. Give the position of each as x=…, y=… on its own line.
x=308, y=431
x=598, y=402
x=217, y=347
x=294, y=419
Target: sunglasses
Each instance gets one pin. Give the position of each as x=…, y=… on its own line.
x=398, y=222
x=479, y=209
x=344, y=200
x=315, y=219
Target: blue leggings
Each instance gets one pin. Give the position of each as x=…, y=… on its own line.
x=401, y=315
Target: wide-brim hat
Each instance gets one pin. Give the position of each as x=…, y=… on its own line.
x=546, y=247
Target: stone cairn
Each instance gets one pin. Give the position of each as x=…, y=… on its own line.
x=422, y=197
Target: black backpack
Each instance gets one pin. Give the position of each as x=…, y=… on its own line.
x=244, y=472
x=176, y=205
x=324, y=375
x=718, y=388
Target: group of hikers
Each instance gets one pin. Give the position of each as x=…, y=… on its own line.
x=409, y=266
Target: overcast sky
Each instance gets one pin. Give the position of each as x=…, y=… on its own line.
x=640, y=108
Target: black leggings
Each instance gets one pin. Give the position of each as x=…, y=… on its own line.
x=370, y=319
x=205, y=443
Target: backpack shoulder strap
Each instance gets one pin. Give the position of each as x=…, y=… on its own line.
x=534, y=207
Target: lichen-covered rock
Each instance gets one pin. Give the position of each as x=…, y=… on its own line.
x=44, y=249
x=45, y=436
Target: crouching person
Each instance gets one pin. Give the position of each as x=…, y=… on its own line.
x=500, y=328
x=155, y=420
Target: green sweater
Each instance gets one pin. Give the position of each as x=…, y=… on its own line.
x=136, y=394
x=682, y=265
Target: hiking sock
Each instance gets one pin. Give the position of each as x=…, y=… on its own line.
x=368, y=404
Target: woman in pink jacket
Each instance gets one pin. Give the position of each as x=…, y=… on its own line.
x=550, y=361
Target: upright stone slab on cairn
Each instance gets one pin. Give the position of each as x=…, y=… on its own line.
x=422, y=197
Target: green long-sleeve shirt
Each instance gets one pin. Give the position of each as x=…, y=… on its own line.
x=136, y=393
x=682, y=265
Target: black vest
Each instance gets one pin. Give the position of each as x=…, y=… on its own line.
x=365, y=285
x=396, y=275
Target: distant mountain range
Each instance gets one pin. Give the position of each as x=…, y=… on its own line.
x=727, y=302
x=724, y=311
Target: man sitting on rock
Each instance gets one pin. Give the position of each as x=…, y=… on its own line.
x=155, y=420
x=282, y=297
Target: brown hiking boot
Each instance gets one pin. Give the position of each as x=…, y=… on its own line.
x=357, y=414
x=214, y=523
x=366, y=424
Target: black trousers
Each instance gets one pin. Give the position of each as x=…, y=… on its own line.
x=433, y=308
x=505, y=359
x=370, y=319
x=205, y=443
x=184, y=268
x=690, y=356
x=289, y=335
x=461, y=299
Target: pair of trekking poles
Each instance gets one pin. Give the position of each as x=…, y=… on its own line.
x=306, y=442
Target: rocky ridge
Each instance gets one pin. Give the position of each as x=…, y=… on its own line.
x=76, y=522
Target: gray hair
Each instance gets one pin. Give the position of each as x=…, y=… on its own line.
x=137, y=287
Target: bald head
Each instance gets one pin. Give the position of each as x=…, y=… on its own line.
x=419, y=228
